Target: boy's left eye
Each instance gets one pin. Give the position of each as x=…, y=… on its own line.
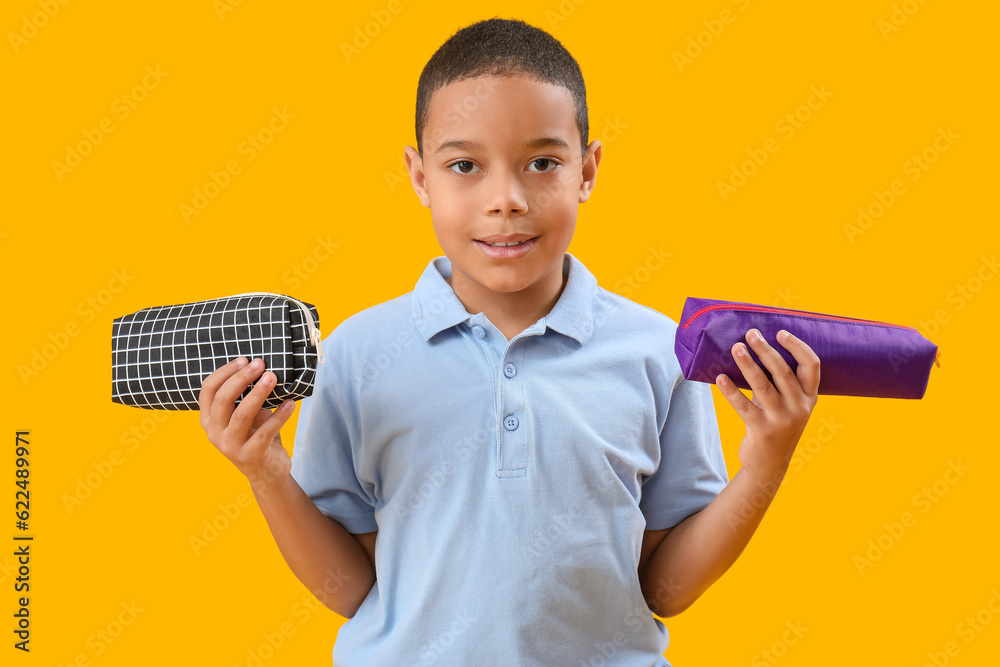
x=544, y=160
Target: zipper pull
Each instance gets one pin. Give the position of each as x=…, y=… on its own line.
x=316, y=338
x=936, y=355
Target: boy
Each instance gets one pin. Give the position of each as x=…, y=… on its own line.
x=540, y=477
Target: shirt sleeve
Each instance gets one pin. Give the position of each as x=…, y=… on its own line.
x=692, y=468
x=326, y=452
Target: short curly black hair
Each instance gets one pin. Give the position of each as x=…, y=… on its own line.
x=502, y=47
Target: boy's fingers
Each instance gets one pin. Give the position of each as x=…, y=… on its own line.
x=259, y=419
x=263, y=436
x=257, y=444
x=763, y=391
x=248, y=411
x=784, y=377
x=210, y=385
x=809, y=363
x=744, y=407
x=223, y=405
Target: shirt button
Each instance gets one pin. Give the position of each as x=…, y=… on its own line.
x=479, y=331
x=510, y=422
x=509, y=370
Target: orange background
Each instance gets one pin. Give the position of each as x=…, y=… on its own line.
x=323, y=211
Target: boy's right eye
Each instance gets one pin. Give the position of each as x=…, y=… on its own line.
x=464, y=166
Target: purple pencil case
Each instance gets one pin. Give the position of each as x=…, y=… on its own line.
x=857, y=357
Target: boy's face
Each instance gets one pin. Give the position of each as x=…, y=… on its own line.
x=502, y=162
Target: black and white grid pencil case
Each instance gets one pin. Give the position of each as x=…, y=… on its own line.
x=161, y=355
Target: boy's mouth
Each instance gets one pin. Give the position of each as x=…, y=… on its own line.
x=496, y=247
x=498, y=241
x=503, y=245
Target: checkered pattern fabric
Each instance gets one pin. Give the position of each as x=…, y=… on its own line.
x=161, y=355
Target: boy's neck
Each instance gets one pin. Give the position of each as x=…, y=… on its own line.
x=510, y=312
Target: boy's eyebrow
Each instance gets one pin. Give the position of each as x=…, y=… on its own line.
x=540, y=142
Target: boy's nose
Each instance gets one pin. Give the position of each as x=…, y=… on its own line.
x=506, y=194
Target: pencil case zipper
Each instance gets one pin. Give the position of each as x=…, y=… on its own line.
x=315, y=337
x=788, y=311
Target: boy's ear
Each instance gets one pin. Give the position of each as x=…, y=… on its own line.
x=591, y=159
x=415, y=165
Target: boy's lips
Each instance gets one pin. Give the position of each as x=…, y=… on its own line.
x=523, y=241
x=509, y=238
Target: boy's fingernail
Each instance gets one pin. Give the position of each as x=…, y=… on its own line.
x=241, y=362
x=256, y=364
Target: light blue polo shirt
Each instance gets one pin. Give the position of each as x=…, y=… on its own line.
x=510, y=481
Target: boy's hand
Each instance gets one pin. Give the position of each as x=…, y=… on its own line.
x=247, y=434
x=776, y=417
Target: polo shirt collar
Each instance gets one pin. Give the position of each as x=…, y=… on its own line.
x=436, y=308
